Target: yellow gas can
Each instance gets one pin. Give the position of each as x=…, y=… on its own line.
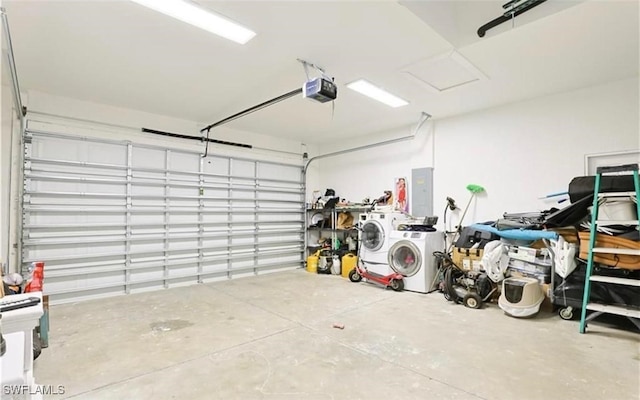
x=349, y=262
x=312, y=262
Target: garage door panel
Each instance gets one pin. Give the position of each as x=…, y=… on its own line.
x=43, y=185
x=178, y=243
x=180, y=229
x=140, y=275
x=242, y=168
x=241, y=183
x=67, y=201
x=215, y=192
x=146, y=226
x=87, y=282
x=148, y=190
x=210, y=245
x=57, y=149
x=244, y=203
x=43, y=253
x=286, y=224
x=243, y=217
x=72, y=266
x=143, y=157
x=112, y=218
x=187, y=205
x=221, y=204
x=278, y=239
x=278, y=258
x=278, y=172
x=148, y=179
x=45, y=167
x=73, y=241
x=285, y=197
x=179, y=178
x=215, y=254
x=188, y=270
x=216, y=165
x=179, y=161
x=245, y=195
x=184, y=217
x=46, y=232
x=146, y=247
x=243, y=240
x=145, y=286
x=219, y=181
x=185, y=191
x=85, y=171
x=217, y=230
x=220, y=264
x=104, y=153
x=147, y=218
x=142, y=207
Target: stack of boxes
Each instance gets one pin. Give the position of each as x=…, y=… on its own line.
x=469, y=248
x=530, y=262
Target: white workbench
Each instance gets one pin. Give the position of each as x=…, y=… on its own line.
x=16, y=365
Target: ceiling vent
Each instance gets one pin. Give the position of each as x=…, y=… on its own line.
x=444, y=72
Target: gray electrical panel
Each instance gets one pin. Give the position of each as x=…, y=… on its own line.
x=421, y=192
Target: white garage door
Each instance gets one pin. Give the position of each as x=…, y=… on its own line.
x=111, y=218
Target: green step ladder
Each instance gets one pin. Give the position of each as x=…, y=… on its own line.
x=633, y=313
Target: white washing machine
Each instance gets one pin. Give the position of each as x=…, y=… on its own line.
x=374, y=239
x=411, y=254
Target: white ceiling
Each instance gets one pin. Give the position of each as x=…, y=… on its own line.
x=120, y=53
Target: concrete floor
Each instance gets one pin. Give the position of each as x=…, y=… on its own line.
x=271, y=337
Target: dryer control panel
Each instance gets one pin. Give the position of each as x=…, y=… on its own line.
x=413, y=235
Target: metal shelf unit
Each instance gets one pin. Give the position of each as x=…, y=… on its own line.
x=333, y=217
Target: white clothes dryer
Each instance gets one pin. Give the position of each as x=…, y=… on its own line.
x=374, y=239
x=411, y=254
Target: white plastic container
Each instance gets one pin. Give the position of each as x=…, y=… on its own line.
x=616, y=210
x=335, y=265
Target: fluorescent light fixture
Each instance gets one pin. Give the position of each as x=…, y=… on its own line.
x=368, y=89
x=192, y=14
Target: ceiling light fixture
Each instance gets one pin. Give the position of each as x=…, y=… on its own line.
x=195, y=15
x=368, y=89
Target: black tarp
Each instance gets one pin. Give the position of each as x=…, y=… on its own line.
x=583, y=186
x=571, y=215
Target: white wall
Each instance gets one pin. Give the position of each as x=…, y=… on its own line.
x=9, y=126
x=5, y=148
x=517, y=152
x=368, y=173
x=527, y=150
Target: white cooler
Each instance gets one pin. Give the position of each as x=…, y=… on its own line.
x=16, y=365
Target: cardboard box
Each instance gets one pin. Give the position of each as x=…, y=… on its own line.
x=467, y=259
x=627, y=261
x=547, y=305
x=570, y=234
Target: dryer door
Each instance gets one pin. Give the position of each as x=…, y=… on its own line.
x=372, y=235
x=405, y=258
